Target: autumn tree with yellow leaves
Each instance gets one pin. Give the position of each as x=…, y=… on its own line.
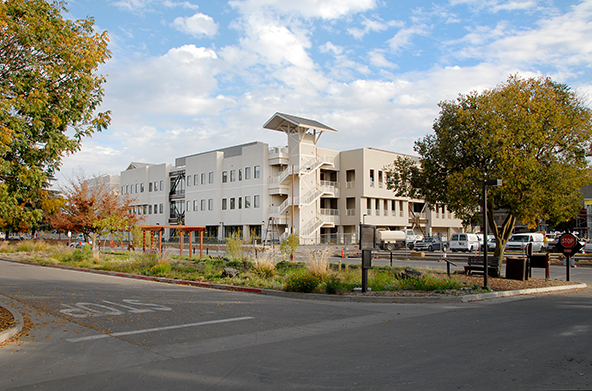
x=49, y=95
x=535, y=134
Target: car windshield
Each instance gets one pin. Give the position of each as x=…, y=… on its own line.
x=519, y=238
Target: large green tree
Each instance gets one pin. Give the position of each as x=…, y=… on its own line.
x=49, y=94
x=535, y=134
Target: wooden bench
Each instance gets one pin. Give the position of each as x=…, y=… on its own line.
x=475, y=264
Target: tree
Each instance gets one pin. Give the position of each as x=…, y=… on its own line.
x=534, y=134
x=48, y=87
x=93, y=208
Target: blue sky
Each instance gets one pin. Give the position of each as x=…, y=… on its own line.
x=192, y=76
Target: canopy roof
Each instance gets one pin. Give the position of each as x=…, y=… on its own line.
x=282, y=122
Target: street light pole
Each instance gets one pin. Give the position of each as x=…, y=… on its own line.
x=491, y=182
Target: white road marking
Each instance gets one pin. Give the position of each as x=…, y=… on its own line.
x=99, y=336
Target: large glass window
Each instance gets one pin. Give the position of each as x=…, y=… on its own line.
x=247, y=201
x=256, y=172
x=224, y=203
x=224, y=176
x=256, y=201
x=247, y=173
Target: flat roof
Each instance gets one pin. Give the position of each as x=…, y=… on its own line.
x=279, y=119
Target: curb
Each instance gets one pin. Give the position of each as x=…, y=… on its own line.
x=11, y=332
x=318, y=296
x=519, y=292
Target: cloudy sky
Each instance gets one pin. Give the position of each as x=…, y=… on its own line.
x=192, y=76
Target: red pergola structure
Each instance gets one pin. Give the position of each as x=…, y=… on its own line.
x=181, y=228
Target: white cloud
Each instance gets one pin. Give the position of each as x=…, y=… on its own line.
x=197, y=25
x=372, y=26
x=403, y=37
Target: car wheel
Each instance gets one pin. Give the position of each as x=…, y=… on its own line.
x=430, y=248
x=390, y=246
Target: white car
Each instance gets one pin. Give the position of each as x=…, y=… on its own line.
x=464, y=242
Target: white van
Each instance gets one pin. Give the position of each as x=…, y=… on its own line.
x=464, y=242
x=519, y=242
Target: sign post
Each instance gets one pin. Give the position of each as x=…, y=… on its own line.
x=569, y=245
x=367, y=243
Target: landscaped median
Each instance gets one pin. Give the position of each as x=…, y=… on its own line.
x=269, y=273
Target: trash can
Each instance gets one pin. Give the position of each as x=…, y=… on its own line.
x=516, y=269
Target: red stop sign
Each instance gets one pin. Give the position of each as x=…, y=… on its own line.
x=567, y=240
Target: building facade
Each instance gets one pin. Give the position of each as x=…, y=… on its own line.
x=268, y=192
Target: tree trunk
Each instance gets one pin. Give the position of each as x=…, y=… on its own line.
x=502, y=234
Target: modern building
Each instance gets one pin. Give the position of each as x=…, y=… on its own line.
x=267, y=192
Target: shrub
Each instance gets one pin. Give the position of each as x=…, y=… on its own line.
x=290, y=245
x=333, y=285
x=234, y=247
x=159, y=270
x=318, y=262
x=302, y=282
x=265, y=265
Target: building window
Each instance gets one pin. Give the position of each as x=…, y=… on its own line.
x=240, y=174
x=203, y=178
x=144, y=209
x=188, y=209
x=203, y=204
x=256, y=201
x=371, y=178
x=247, y=198
x=240, y=202
x=224, y=176
x=161, y=184
x=211, y=177
x=142, y=187
x=150, y=186
x=256, y=172
x=211, y=204
x=196, y=180
x=247, y=173
x=224, y=202
x=188, y=180
x=160, y=207
x=232, y=175
x=155, y=208
x=195, y=206
x=232, y=201
x=149, y=209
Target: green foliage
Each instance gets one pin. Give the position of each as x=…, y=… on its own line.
x=290, y=244
x=48, y=87
x=534, y=134
x=159, y=270
x=333, y=285
x=429, y=283
x=234, y=247
x=302, y=282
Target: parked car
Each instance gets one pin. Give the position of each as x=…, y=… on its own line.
x=491, y=243
x=519, y=242
x=464, y=242
x=430, y=244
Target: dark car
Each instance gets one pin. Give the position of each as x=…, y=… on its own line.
x=430, y=244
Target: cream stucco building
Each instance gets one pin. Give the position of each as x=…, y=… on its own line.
x=268, y=192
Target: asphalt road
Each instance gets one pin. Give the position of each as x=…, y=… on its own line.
x=97, y=332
